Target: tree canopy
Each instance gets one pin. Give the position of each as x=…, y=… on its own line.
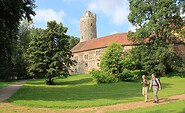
x=50, y=53
x=156, y=22
x=12, y=12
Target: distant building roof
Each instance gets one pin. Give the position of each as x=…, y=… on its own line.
x=102, y=42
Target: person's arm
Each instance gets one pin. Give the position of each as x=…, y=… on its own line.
x=150, y=85
x=159, y=85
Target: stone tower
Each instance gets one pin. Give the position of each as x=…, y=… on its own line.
x=88, y=26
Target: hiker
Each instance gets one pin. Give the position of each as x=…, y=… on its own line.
x=156, y=85
x=145, y=87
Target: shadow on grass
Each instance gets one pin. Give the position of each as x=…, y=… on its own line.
x=75, y=82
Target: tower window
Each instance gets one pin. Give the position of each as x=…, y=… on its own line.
x=91, y=24
x=82, y=37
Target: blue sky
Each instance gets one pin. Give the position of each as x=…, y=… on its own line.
x=111, y=15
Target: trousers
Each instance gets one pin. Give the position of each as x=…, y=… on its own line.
x=145, y=91
x=155, y=90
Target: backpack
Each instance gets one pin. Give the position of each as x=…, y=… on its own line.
x=157, y=82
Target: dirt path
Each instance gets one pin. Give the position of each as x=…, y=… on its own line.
x=7, y=92
x=6, y=107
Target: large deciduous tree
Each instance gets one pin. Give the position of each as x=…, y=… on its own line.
x=111, y=59
x=156, y=21
x=12, y=12
x=50, y=53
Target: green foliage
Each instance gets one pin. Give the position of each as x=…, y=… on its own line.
x=50, y=53
x=111, y=59
x=13, y=11
x=156, y=21
x=103, y=77
x=125, y=75
x=73, y=41
x=131, y=74
x=180, y=74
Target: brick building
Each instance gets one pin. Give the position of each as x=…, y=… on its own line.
x=87, y=53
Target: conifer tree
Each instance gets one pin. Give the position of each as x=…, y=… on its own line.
x=50, y=53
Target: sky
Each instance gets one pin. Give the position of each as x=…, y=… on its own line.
x=111, y=15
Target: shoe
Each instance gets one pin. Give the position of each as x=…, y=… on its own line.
x=146, y=101
x=155, y=102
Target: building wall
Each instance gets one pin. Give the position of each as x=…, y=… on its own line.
x=92, y=61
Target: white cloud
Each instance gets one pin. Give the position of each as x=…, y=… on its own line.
x=116, y=10
x=44, y=15
x=132, y=28
x=114, y=32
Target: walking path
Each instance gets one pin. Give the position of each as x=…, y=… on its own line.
x=7, y=92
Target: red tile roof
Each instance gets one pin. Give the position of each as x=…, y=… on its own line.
x=101, y=42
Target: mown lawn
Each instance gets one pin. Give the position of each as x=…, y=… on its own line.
x=4, y=84
x=172, y=107
x=80, y=91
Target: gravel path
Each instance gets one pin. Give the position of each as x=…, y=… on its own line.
x=7, y=92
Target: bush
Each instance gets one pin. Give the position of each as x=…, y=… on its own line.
x=131, y=75
x=138, y=74
x=125, y=75
x=103, y=77
x=181, y=74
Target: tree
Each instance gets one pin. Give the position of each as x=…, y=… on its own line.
x=111, y=59
x=12, y=11
x=156, y=20
x=19, y=60
x=50, y=53
x=73, y=41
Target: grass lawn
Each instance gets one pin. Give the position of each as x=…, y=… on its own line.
x=80, y=91
x=172, y=107
x=4, y=84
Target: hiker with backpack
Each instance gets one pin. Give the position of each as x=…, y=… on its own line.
x=145, y=87
x=155, y=82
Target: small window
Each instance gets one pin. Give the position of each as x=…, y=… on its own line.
x=86, y=64
x=97, y=53
x=86, y=57
x=91, y=24
x=82, y=37
x=123, y=49
x=76, y=58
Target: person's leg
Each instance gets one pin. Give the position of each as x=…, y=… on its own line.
x=146, y=95
x=143, y=91
x=155, y=90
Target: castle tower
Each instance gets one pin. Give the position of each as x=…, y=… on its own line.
x=88, y=26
